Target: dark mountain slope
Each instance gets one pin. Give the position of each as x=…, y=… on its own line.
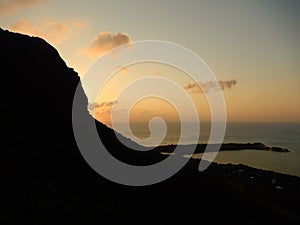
x=44, y=179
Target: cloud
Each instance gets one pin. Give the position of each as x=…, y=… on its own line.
x=52, y=31
x=210, y=86
x=79, y=23
x=106, y=41
x=14, y=6
x=227, y=84
x=95, y=105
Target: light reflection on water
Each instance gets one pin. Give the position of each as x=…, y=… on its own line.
x=285, y=135
x=287, y=163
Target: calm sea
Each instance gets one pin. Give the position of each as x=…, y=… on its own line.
x=272, y=134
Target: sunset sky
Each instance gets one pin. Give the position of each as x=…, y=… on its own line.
x=253, y=47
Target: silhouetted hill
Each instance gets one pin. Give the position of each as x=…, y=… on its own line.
x=45, y=180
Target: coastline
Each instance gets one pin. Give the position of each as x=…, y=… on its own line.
x=45, y=179
x=264, y=158
x=200, y=148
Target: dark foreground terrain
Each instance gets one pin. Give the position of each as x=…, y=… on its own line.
x=45, y=180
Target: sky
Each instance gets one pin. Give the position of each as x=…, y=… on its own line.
x=253, y=48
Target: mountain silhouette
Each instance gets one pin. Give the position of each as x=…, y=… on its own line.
x=45, y=180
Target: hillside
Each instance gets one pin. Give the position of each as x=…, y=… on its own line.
x=45, y=180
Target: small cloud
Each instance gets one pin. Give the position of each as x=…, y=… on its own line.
x=106, y=41
x=79, y=23
x=14, y=6
x=102, y=111
x=227, y=84
x=210, y=86
x=108, y=104
x=52, y=31
x=95, y=105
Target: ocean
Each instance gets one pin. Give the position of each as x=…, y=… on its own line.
x=285, y=135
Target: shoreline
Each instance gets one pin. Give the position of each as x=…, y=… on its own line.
x=255, y=167
x=247, y=154
x=200, y=148
x=46, y=180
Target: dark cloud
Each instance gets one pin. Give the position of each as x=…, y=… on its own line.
x=227, y=84
x=93, y=106
x=210, y=86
